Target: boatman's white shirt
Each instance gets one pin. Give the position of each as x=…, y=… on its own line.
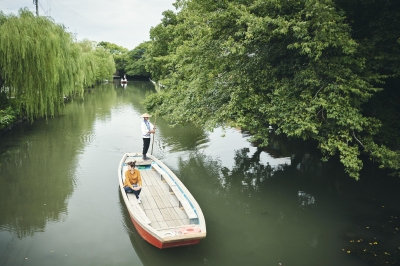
x=145, y=130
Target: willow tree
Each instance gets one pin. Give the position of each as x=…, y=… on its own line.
x=39, y=63
x=105, y=63
x=87, y=63
x=96, y=62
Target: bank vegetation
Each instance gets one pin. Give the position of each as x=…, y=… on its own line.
x=321, y=70
x=41, y=65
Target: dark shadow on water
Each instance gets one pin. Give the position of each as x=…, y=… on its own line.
x=370, y=208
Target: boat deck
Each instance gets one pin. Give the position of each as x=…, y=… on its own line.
x=161, y=206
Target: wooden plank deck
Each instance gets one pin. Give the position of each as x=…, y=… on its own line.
x=159, y=204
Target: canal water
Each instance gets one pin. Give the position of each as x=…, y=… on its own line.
x=60, y=203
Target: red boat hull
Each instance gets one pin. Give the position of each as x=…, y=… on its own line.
x=157, y=243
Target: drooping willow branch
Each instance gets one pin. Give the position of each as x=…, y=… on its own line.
x=42, y=64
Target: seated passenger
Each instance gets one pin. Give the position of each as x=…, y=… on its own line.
x=133, y=181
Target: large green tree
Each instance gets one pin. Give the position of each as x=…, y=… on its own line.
x=295, y=65
x=37, y=62
x=376, y=25
x=119, y=53
x=164, y=39
x=101, y=58
x=136, y=61
x=40, y=64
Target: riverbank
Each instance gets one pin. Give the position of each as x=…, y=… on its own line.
x=17, y=122
x=9, y=117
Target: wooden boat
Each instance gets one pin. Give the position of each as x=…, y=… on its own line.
x=124, y=80
x=168, y=215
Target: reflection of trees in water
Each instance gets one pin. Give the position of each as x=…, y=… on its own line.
x=135, y=93
x=296, y=207
x=250, y=168
x=36, y=182
x=249, y=178
x=181, y=138
x=38, y=163
x=257, y=196
x=247, y=174
x=199, y=167
x=305, y=199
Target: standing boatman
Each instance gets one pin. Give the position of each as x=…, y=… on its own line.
x=147, y=129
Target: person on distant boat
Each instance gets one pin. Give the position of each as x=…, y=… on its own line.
x=147, y=129
x=133, y=181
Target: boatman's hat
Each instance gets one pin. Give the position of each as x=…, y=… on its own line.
x=145, y=115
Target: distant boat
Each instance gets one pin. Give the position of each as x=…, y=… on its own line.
x=124, y=80
x=168, y=215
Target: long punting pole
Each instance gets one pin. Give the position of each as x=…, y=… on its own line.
x=152, y=143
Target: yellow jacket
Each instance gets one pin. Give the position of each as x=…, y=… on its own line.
x=132, y=179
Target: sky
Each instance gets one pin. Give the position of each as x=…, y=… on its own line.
x=126, y=23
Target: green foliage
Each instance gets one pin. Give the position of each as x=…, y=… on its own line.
x=136, y=61
x=161, y=46
x=40, y=64
x=112, y=48
x=105, y=64
x=97, y=63
x=7, y=114
x=296, y=65
x=119, y=54
x=32, y=50
x=4, y=101
x=375, y=25
x=7, y=117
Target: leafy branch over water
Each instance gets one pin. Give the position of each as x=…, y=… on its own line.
x=309, y=69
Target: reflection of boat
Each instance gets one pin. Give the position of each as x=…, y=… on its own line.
x=168, y=215
x=124, y=80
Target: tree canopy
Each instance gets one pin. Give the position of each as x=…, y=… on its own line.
x=136, y=61
x=119, y=54
x=130, y=62
x=40, y=64
x=309, y=68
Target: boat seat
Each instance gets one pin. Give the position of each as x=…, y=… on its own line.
x=164, y=176
x=138, y=210
x=183, y=201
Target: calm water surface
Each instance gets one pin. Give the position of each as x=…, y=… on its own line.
x=60, y=203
